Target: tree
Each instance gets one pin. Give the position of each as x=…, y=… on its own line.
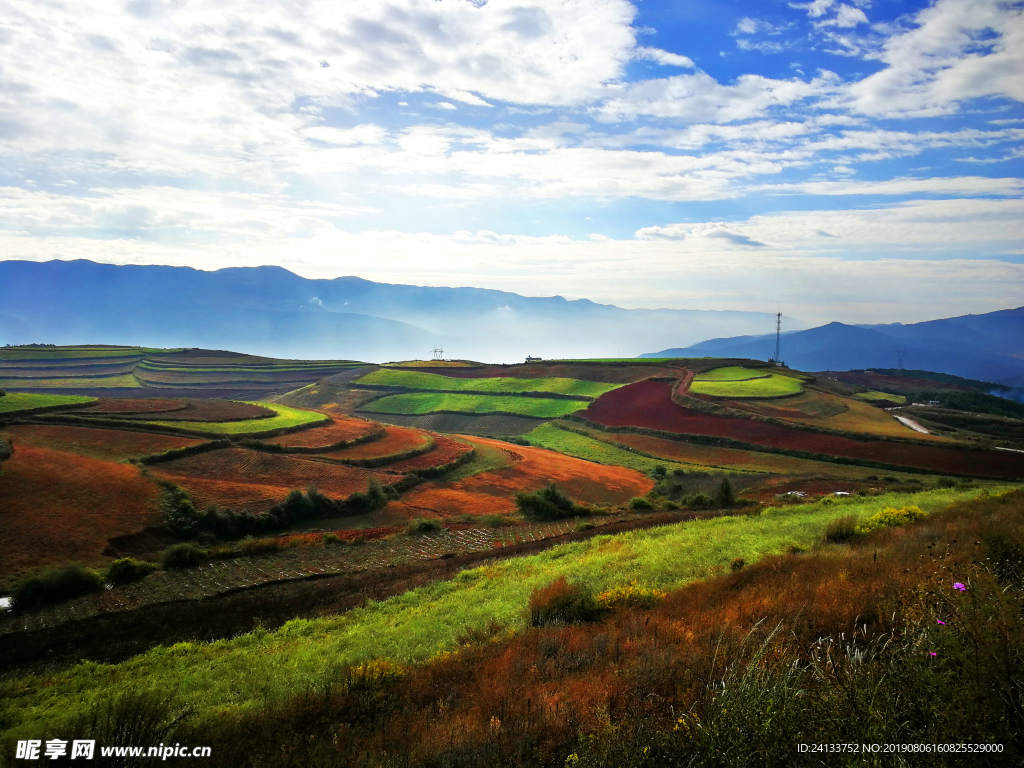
x=726, y=494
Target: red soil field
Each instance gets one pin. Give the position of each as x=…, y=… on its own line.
x=130, y=405
x=445, y=452
x=649, y=404
x=61, y=507
x=601, y=373
x=109, y=444
x=493, y=492
x=396, y=440
x=252, y=480
x=342, y=429
x=217, y=410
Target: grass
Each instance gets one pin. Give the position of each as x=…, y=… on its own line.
x=124, y=381
x=421, y=403
x=589, y=449
x=286, y=418
x=732, y=373
x=871, y=395
x=499, y=385
x=233, y=676
x=485, y=459
x=14, y=402
x=770, y=385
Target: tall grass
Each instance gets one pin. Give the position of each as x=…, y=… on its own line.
x=232, y=676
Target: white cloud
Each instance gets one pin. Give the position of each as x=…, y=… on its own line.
x=663, y=57
x=846, y=16
x=963, y=185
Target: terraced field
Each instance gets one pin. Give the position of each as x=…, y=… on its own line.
x=122, y=381
x=736, y=382
x=502, y=385
x=106, y=444
x=468, y=424
x=871, y=397
x=342, y=429
x=591, y=449
x=426, y=402
x=23, y=402
x=284, y=418
x=397, y=441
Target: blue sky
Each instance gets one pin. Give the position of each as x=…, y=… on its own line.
x=857, y=160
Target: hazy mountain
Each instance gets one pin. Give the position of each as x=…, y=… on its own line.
x=269, y=310
x=987, y=347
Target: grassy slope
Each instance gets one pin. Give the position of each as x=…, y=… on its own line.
x=500, y=385
x=583, y=447
x=107, y=382
x=286, y=417
x=872, y=395
x=426, y=402
x=20, y=401
x=772, y=385
x=732, y=373
x=233, y=674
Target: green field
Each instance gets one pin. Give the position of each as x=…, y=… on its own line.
x=583, y=447
x=124, y=381
x=872, y=395
x=419, y=403
x=286, y=417
x=229, y=676
x=744, y=382
x=20, y=401
x=501, y=385
x=68, y=353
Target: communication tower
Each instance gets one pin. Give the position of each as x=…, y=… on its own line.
x=899, y=357
x=439, y=353
x=778, y=337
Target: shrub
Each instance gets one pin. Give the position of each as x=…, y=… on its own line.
x=495, y=521
x=631, y=595
x=889, y=517
x=585, y=526
x=946, y=482
x=639, y=502
x=562, y=603
x=726, y=494
x=738, y=564
x=698, y=501
x=841, y=530
x=52, y=586
x=181, y=556
x=546, y=504
x=331, y=538
x=251, y=547
x=128, y=569
x=422, y=525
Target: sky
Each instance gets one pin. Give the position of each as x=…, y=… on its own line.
x=852, y=160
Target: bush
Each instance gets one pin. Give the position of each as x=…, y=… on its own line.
x=631, y=595
x=562, y=603
x=546, y=504
x=890, y=517
x=331, y=538
x=738, y=564
x=946, y=482
x=52, y=586
x=698, y=501
x=181, y=556
x=639, y=502
x=251, y=547
x=128, y=569
x=726, y=494
x=422, y=525
x=841, y=530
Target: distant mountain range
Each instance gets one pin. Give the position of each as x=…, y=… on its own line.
x=987, y=347
x=271, y=311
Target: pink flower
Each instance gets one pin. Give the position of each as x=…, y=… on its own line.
x=959, y=586
x=940, y=622
x=932, y=653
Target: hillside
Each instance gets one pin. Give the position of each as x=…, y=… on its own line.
x=271, y=311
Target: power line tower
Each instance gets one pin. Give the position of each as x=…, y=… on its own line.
x=899, y=357
x=778, y=337
x=439, y=353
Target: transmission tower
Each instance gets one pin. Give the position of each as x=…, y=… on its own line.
x=899, y=356
x=439, y=353
x=778, y=336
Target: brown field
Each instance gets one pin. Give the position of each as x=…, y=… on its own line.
x=135, y=405
x=467, y=423
x=446, y=450
x=107, y=444
x=255, y=481
x=61, y=507
x=493, y=492
x=342, y=429
x=217, y=410
x=396, y=441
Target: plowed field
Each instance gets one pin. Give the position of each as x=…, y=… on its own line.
x=396, y=441
x=135, y=405
x=493, y=492
x=445, y=452
x=649, y=404
x=243, y=479
x=218, y=411
x=59, y=507
x=342, y=429
x=108, y=444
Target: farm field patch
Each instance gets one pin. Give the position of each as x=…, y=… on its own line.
x=501, y=385
x=210, y=410
x=592, y=449
x=469, y=424
x=15, y=402
x=243, y=479
x=106, y=444
x=580, y=371
x=649, y=404
x=493, y=492
x=284, y=418
x=396, y=440
x=872, y=396
x=123, y=381
x=770, y=385
x=422, y=403
x=341, y=429
x=445, y=451
x=733, y=373
x=110, y=405
x=61, y=507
